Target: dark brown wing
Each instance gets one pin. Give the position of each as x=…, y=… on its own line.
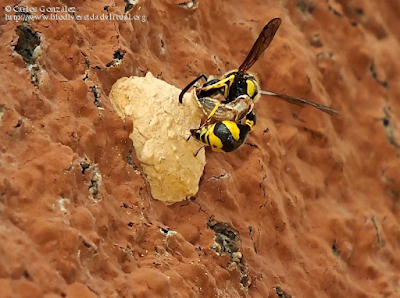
x=301, y=101
x=262, y=42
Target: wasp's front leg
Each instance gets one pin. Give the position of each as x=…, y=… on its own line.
x=214, y=87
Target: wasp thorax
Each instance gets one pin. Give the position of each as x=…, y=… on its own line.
x=243, y=84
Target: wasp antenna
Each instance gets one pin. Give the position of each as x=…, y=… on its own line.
x=184, y=90
x=301, y=101
x=197, y=152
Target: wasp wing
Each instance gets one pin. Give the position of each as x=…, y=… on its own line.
x=301, y=102
x=262, y=42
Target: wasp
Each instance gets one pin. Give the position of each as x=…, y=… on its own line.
x=230, y=99
x=225, y=136
x=233, y=96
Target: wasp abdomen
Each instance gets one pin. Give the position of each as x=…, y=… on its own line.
x=231, y=134
x=223, y=136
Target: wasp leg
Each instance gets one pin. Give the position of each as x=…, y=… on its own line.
x=212, y=112
x=234, y=111
x=210, y=81
x=197, y=152
x=223, y=84
x=190, y=85
x=211, y=115
x=251, y=119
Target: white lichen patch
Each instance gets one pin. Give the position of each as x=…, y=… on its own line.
x=168, y=233
x=2, y=111
x=95, y=183
x=161, y=126
x=61, y=203
x=37, y=52
x=189, y=4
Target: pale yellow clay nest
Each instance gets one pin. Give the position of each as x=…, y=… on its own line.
x=161, y=126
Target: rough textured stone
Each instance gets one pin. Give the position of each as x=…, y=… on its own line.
x=314, y=199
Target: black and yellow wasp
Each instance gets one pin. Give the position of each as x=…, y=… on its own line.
x=232, y=97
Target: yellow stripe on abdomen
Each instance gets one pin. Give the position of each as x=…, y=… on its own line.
x=212, y=140
x=233, y=128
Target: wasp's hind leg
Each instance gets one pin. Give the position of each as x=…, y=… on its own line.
x=197, y=152
x=197, y=133
x=184, y=90
x=251, y=120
